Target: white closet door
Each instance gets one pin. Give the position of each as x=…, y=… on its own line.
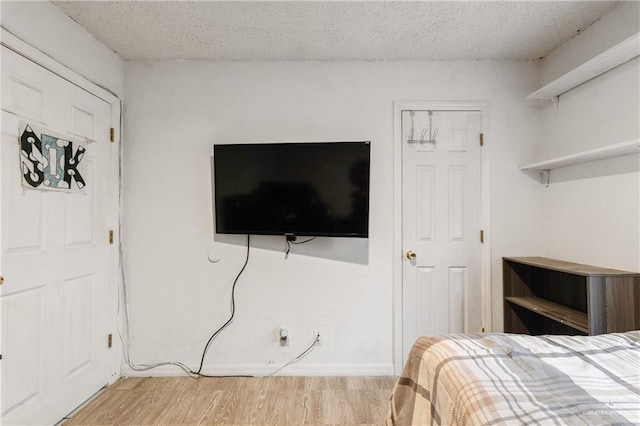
x=441, y=286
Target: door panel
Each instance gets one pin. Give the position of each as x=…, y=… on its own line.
x=426, y=292
x=81, y=214
x=456, y=220
x=23, y=371
x=426, y=203
x=55, y=299
x=82, y=123
x=78, y=323
x=24, y=98
x=441, y=224
x=23, y=214
x=457, y=299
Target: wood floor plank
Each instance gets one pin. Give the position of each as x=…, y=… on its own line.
x=312, y=407
x=335, y=409
x=281, y=400
x=127, y=383
x=98, y=409
x=227, y=411
x=144, y=410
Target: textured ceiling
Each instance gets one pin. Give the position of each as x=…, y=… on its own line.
x=334, y=30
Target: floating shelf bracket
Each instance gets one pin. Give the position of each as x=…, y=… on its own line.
x=546, y=177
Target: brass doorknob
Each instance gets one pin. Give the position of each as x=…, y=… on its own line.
x=411, y=255
x=1, y=279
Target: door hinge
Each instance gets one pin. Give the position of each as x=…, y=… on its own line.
x=111, y=236
x=109, y=340
x=483, y=329
x=482, y=236
x=481, y=139
x=112, y=134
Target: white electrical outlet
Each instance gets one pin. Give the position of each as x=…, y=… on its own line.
x=320, y=334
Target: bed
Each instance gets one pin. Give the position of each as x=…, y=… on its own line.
x=487, y=379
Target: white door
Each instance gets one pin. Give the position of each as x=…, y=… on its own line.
x=441, y=285
x=56, y=258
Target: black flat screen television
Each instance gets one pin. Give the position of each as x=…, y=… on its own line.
x=300, y=189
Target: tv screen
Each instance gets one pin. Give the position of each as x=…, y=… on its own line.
x=303, y=189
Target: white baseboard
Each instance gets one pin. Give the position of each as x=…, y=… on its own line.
x=263, y=370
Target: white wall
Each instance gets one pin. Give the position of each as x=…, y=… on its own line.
x=174, y=114
x=44, y=26
x=591, y=212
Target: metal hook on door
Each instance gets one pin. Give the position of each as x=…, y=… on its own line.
x=432, y=134
x=410, y=140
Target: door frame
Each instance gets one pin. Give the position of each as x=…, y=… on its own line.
x=485, y=212
x=113, y=210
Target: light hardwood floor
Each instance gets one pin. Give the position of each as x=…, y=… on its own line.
x=239, y=401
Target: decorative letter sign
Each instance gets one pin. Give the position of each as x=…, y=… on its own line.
x=50, y=163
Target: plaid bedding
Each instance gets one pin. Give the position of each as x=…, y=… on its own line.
x=488, y=379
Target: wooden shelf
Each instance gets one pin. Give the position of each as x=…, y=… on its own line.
x=550, y=296
x=617, y=150
x=607, y=60
x=570, y=267
x=554, y=311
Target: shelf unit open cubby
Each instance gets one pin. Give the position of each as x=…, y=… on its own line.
x=548, y=296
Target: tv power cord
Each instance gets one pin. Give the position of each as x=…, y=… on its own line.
x=233, y=313
x=291, y=239
x=193, y=373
